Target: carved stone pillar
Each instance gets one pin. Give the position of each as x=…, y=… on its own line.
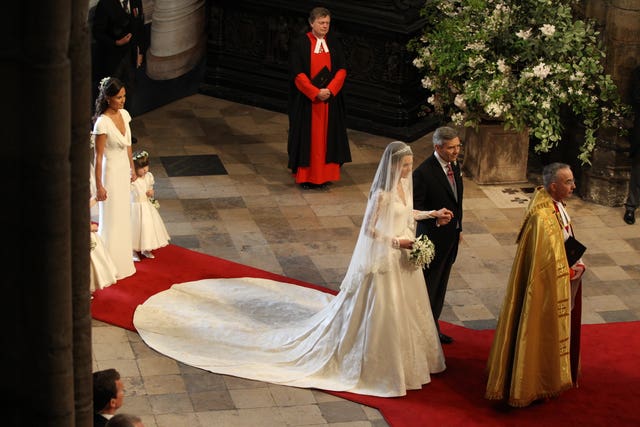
x=606, y=181
x=177, y=38
x=247, y=58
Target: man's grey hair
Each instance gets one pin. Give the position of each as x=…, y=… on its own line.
x=444, y=134
x=550, y=173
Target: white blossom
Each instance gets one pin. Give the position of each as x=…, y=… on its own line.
x=477, y=46
x=476, y=60
x=460, y=102
x=524, y=34
x=541, y=70
x=458, y=119
x=427, y=83
x=495, y=109
x=503, y=67
x=548, y=30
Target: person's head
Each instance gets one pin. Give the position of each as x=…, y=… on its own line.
x=111, y=94
x=557, y=179
x=108, y=391
x=396, y=162
x=401, y=158
x=447, y=143
x=124, y=420
x=320, y=21
x=141, y=162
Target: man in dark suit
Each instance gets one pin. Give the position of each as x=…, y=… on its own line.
x=118, y=30
x=437, y=183
x=108, y=395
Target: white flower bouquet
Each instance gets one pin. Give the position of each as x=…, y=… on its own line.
x=154, y=202
x=422, y=251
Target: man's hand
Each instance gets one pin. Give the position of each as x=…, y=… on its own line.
x=443, y=216
x=126, y=39
x=578, y=270
x=324, y=94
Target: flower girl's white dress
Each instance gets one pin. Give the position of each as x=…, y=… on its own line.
x=147, y=228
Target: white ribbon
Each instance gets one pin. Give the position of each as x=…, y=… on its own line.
x=321, y=46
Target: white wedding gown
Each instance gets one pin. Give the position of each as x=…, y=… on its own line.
x=376, y=337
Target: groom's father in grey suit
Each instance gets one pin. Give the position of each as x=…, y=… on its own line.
x=437, y=183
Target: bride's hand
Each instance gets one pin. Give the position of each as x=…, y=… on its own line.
x=406, y=243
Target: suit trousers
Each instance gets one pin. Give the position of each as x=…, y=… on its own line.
x=633, y=196
x=437, y=277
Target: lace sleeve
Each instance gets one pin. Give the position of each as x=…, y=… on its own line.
x=420, y=215
x=374, y=229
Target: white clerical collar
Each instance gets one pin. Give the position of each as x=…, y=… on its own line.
x=321, y=46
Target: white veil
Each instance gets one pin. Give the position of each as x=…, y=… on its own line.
x=374, y=250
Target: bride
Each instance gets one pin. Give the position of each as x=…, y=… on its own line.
x=376, y=336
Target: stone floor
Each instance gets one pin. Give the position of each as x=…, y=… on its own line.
x=242, y=205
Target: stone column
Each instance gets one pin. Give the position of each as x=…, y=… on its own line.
x=46, y=337
x=606, y=181
x=178, y=38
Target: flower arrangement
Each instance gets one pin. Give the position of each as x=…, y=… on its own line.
x=154, y=202
x=522, y=62
x=422, y=251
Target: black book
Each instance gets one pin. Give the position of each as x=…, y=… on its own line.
x=574, y=250
x=321, y=79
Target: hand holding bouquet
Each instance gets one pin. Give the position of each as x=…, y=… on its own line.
x=422, y=252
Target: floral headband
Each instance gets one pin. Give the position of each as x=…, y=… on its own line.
x=140, y=155
x=103, y=83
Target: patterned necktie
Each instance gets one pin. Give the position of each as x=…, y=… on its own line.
x=125, y=5
x=452, y=180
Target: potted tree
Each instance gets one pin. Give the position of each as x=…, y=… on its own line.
x=510, y=69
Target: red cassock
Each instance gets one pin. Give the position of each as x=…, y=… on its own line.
x=318, y=171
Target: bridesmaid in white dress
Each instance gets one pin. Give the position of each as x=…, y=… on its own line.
x=148, y=230
x=114, y=172
x=377, y=336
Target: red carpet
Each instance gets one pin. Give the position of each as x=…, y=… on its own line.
x=608, y=392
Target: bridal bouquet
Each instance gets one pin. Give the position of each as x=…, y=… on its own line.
x=154, y=202
x=422, y=251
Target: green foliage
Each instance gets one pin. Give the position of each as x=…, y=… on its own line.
x=523, y=62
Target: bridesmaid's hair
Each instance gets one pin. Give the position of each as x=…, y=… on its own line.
x=140, y=159
x=109, y=86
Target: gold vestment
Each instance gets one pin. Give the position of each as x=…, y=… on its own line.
x=536, y=348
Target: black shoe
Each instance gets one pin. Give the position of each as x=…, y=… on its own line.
x=134, y=140
x=629, y=217
x=307, y=186
x=445, y=339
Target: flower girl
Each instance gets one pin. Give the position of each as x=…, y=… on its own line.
x=148, y=229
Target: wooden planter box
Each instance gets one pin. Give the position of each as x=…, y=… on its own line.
x=493, y=155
